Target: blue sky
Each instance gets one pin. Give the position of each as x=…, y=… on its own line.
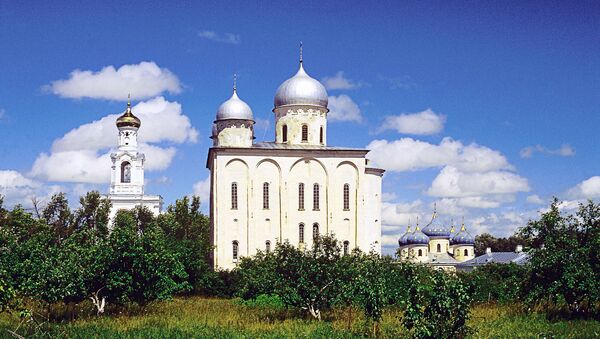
x=513, y=84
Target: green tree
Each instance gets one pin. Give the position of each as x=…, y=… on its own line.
x=58, y=216
x=93, y=212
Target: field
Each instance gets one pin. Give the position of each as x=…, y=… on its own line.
x=201, y=317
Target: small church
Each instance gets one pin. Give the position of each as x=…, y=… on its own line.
x=293, y=188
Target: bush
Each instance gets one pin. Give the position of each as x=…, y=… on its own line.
x=495, y=282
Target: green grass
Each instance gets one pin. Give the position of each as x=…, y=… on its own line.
x=197, y=317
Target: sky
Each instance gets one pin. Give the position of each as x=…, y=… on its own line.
x=485, y=109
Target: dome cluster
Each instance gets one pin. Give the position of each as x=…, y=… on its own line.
x=435, y=230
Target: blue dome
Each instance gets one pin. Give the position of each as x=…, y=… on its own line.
x=462, y=238
x=402, y=239
x=417, y=238
x=435, y=229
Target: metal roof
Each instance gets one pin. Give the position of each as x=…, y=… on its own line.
x=519, y=258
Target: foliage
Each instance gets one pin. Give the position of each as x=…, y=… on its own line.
x=7, y=292
x=486, y=240
x=438, y=307
x=565, y=269
x=495, y=282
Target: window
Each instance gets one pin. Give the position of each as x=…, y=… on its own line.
x=284, y=133
x=300, y=197
x=268, y=246
x=301, y=233
x=346, y=247
x=266, y=195
x=466, y=252
x=439, y=248
x=125, y=172
x=346, y=197
x=321, y=135
x=420, y=252
x=234, y=196
x=304, y=133
x=315, y=231
x=315, y=197
x=235, y=249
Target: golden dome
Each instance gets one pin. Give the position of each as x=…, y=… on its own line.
x=128, y=119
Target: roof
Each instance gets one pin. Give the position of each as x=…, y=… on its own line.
x=519, y=258
x=441, y=259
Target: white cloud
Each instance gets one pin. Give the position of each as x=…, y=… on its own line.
x=452, y=183
x=426, y=122
x=342, y=108
x=228, y=38
x=587, y=189
x=142, y=80
x=83, y=154
x=408, y=154
x=535, y=199
x=202, y=189
x=18, y=189
x=565, y=150
x=339, y=81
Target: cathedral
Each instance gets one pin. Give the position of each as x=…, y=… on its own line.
x=127, y=170
x=291, y=189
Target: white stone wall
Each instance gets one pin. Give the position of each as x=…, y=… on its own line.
x=444, y=245
x=233, y=133
x=296, y=116
x=251, y=225
x=459, y=252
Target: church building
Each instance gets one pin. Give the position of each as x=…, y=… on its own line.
x=291, y=189
x=127, y=170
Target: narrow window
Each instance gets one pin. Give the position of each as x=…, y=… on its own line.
x=301, y=197
x=304, y=133
x=234, y=196
x=321, y=135
x=466, y=253
x=346, y=247
x=301, y=233
x=235, y=249
x=346, y=197
x=268, y=246
x=420, y=252
x=439, y=248
x=284, y=133
x=315, y=231
x=266, y=195
x=125, y=172
x=315, y=197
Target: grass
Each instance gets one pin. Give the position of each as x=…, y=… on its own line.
x=197, y=317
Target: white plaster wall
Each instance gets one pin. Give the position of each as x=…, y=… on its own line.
x=445, y=245
x=369, y=237
x=294, y=118
x=413, y=253
x=459, y=252
x=234, y=133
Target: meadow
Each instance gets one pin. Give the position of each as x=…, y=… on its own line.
x=200, y=317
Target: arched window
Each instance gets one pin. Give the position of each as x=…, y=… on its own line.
x=466, y=252
x=304, y=133
x=315, y=197
x=234, y=196
x=321, y=135
x=300, y=197
x=268, y=246
x=439, y=248
x=420, y=252
x=266, y=195
x=315, y=231
x=235, y=249
x=346, y=197
x=125, y=172
x=301, y=233
x=284, y=133
x=346, y=247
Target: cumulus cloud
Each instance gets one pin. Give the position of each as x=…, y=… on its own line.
x=535, y=199
x=142, y=80
x=587, y=189
x=339, y=81
x=342, y=108
x=228, y=38
x=426, y=122
x=83, y=154
x=202, y=189
x=564, y=151
x=18, y=189
x=408, y=154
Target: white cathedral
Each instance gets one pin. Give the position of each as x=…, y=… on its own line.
x=127, y=170
x=291, y=189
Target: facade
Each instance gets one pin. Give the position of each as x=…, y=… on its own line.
x=127, y=170
x=290, y=189
x=437, y=245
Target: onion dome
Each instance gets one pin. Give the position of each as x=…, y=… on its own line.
x=462, y=237
x=417, y=237
x=128, y=119
x=436, y=229
x=301, y=89
x=234, y=108
x=402, y=239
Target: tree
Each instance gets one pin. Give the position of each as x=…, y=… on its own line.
x=485, y=240
x=93, y=212
x=58, y=216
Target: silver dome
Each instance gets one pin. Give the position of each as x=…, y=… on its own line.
x=234, y=108
x=301, y=89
